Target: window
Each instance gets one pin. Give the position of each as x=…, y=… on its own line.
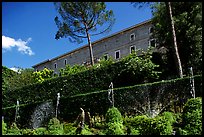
x=55, y=65
x=105, y=56
x=132, y=48
x=65, y=62
x=152, y=43
x=132, y=36
x=151, y=30
x=117, y=54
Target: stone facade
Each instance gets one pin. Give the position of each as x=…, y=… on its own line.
x=116, y=45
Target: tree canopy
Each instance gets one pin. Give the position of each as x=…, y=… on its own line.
x=187, y=17
x=80, y=20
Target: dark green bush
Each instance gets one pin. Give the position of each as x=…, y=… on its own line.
x=86, y=131
x=14, y=130
x=192, y=117
x=69, y=129
x=40, y=131
x=113, y=115
x=27, y=131
x=163, y=125
x=143, y=125
x=114, y=122
x=115, y=128
x=4, y=128
x=54, y=127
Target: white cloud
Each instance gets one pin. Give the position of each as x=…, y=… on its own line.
x=8, y=43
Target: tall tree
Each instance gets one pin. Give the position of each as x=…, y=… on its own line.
x=188, y=27
x=176, y=53
x=83, y=20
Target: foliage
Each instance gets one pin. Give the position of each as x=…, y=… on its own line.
x=113, y=115
x=143, y=125
x=14, y=130
x=40, y=131
x=114, y=122
x=69, y=129
x=140, y=66
x=40, y=76
x=71, y=70
x=104, y=62
x=4, y=127
x=122, y=73
x=192, y=116
x=132, y=99
x=21, y=79
x=27, y=131
x=86, y=131
x=115, y=128
x=54, y=127
x=187, y=17
x=6, y=75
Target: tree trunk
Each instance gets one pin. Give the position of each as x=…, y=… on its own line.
x=176, y=54
x=90, y=46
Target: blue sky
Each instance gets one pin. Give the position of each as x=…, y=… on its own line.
x=28, y=31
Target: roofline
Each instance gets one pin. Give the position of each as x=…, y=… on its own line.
x=48, y=60
x=67, y=53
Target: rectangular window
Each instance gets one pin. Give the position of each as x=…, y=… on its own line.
x=106, y=56
x=132, y=36
x=65, y=62
x=117, y=54
x=150, y=30
x=152, y=43
x=55, y=65
x=132, y=49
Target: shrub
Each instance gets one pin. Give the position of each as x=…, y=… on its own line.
x=192, y=117
x=27, y=131
x=114, y=128
x=4, y=128
x=135, y=122
x=114, y=122
x=40, y=131
x=86, y=130
x=54, y=127
x=113, y=115
x=14, y=130
x=163, y=125
x=169, y=116
x=69, y=129
x=143, y=125
x=40, y=76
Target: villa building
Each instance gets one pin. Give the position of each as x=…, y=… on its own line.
x=116, y=45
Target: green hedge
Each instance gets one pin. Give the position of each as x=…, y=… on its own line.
x=128, y=71
x=132, y=99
